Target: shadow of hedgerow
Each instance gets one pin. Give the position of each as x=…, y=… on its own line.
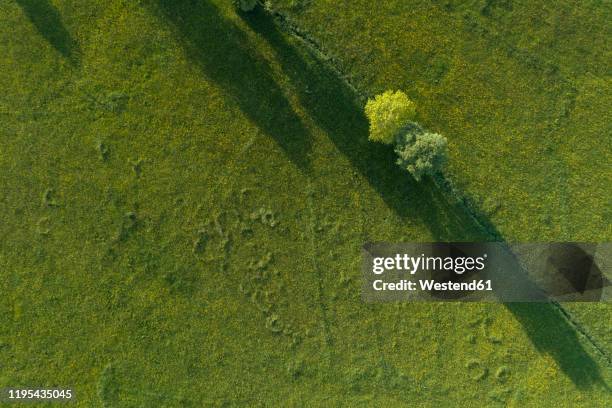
x=222, y=51
x=336, y=109
x=48, y=22
x=450, y=218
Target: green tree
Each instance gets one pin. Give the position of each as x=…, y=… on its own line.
x=388, y=113
x=419, y=152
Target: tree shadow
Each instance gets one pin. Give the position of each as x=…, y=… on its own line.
x=222, y=51
x=334, y=107
x=48, y=22
x=551, y=333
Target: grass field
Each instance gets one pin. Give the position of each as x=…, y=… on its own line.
x=186, y=192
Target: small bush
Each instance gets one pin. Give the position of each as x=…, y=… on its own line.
x=419, y=152
x=388, y=113
x=246, y=5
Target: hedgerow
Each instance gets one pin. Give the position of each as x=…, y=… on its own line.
x=419, y=152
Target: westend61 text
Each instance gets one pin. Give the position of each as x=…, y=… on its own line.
x=429, y=285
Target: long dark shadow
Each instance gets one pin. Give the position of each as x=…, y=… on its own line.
x=550, y=333
x=335, y=108
x=222, y=51
x=48, y=22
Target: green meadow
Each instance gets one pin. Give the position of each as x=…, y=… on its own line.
x=186, y=191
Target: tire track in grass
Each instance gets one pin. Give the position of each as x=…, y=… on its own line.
x=314, y=255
